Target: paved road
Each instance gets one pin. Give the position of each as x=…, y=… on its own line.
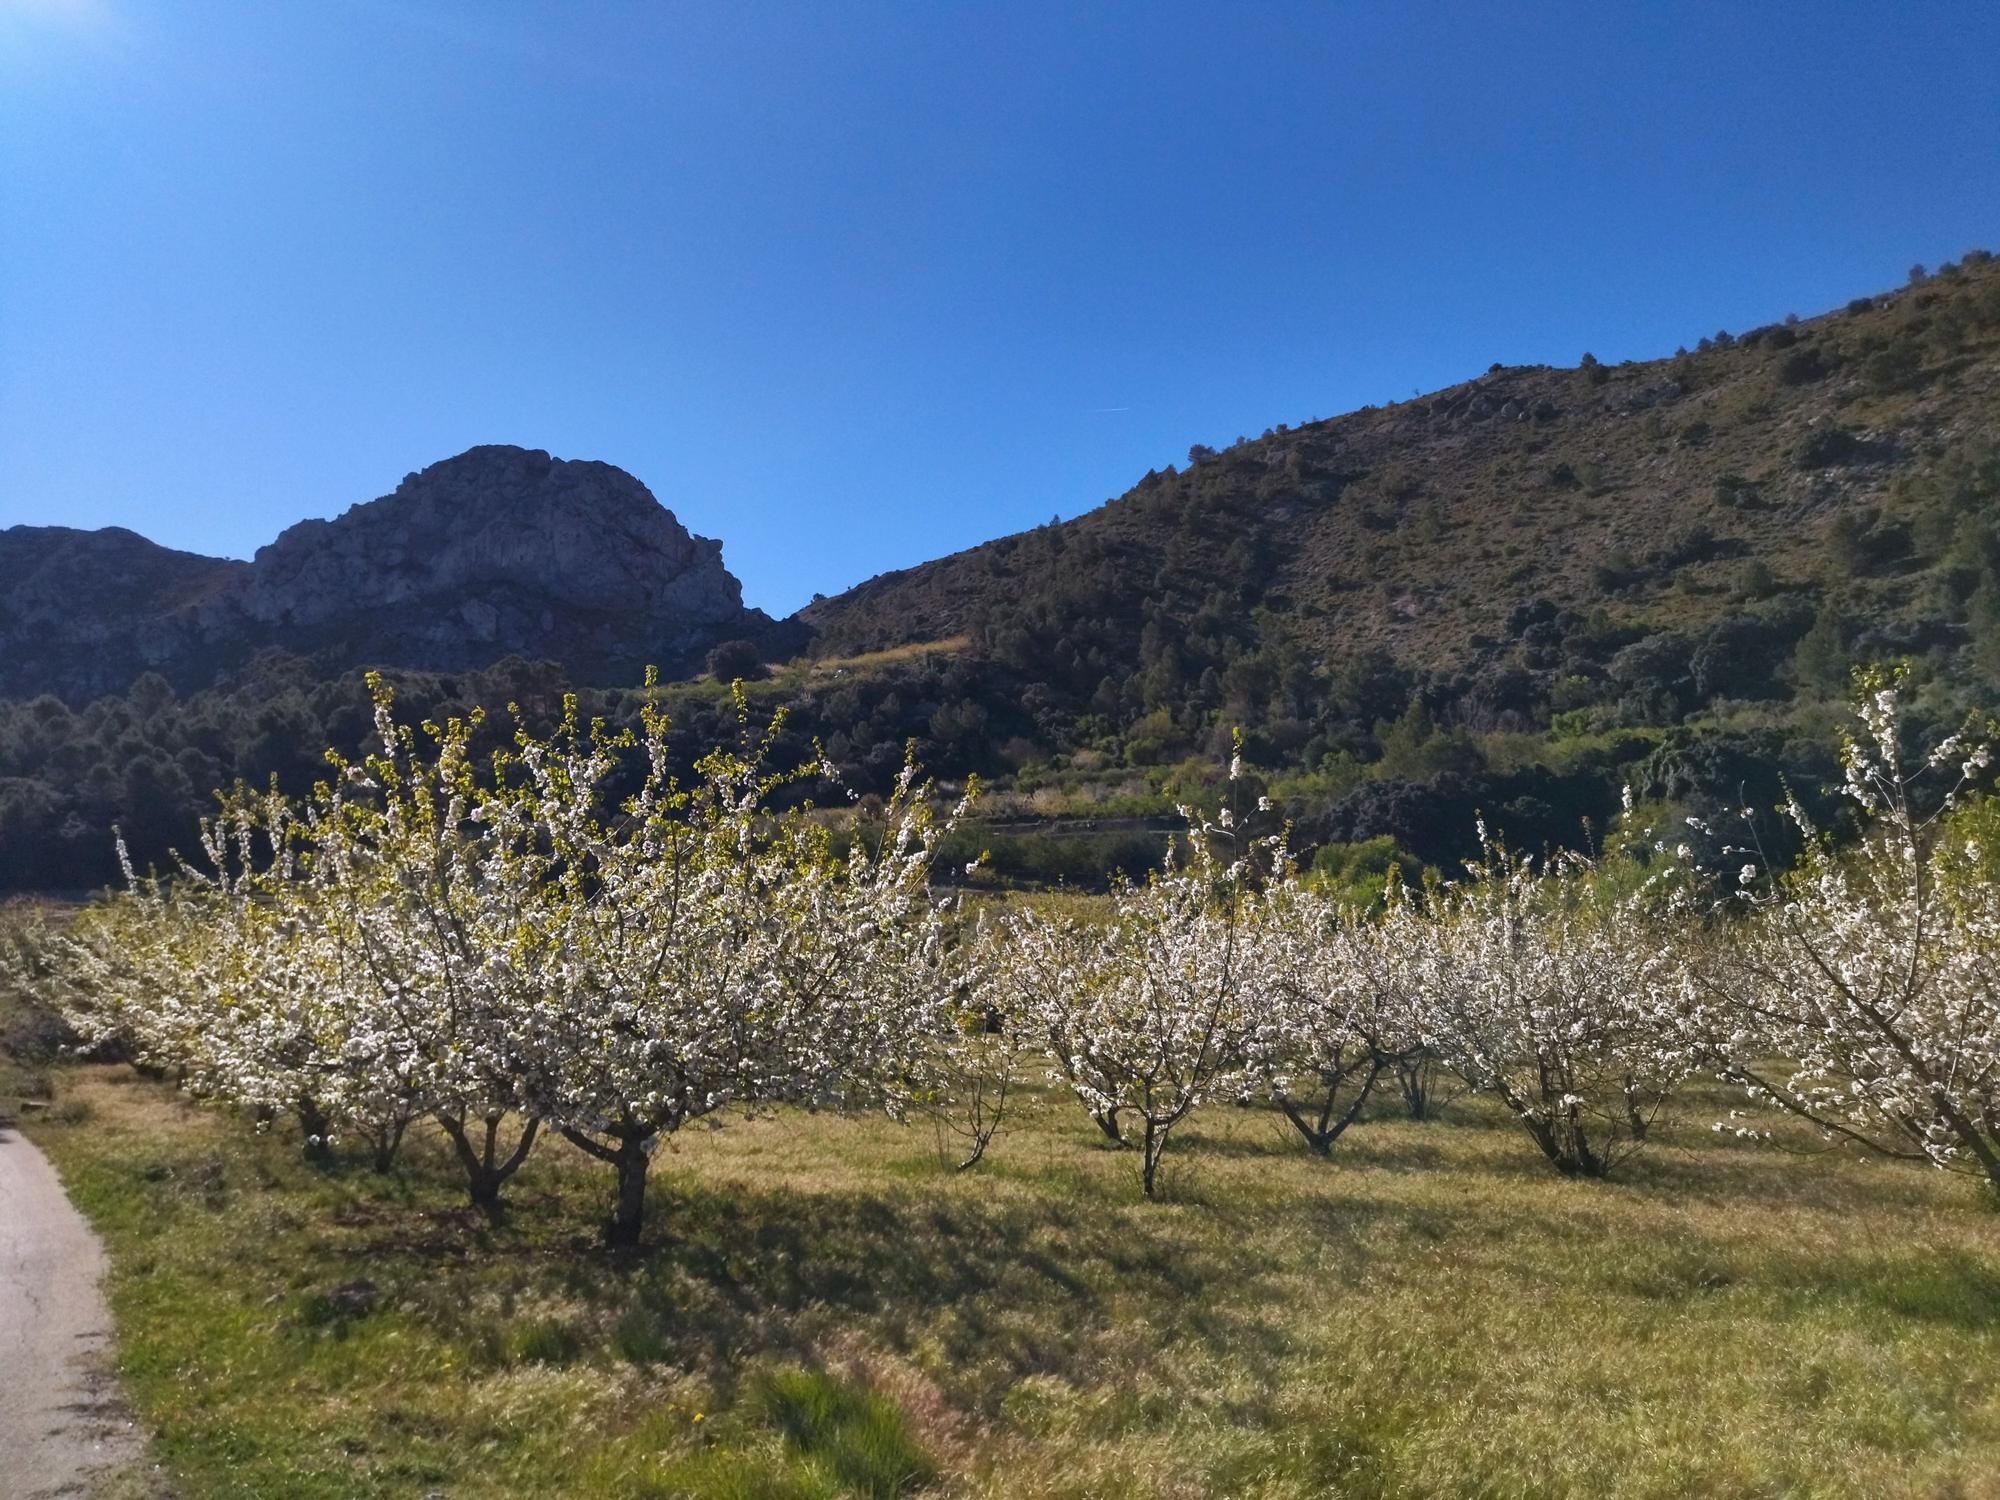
x=61, y=1421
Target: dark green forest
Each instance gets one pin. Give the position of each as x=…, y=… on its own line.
x=1390, y=754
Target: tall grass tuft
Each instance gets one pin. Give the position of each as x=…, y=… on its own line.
x=855, y=1434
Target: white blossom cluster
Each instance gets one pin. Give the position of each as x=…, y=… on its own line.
x=1142, y=1015
x=508, y=951
x=1862, y=990
x=1530, y=982
x=503, y=949
x=1542, y=985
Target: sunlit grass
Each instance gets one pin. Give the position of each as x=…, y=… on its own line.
x=912, y=651
x=822, y=1311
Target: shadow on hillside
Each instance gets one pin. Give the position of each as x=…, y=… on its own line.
x=1048, y=1269
x=1687, y=1165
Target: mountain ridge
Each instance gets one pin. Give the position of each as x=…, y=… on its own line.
x=1649, y=496
x=1568, y=467
x=1513, y=597
x=493, y=552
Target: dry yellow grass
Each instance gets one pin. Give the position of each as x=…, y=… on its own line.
x=913, y=651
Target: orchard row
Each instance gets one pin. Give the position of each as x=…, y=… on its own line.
x=507, y=948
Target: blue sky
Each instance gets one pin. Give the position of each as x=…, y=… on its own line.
x=850, y=286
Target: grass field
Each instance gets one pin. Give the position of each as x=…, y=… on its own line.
x=822, y=1311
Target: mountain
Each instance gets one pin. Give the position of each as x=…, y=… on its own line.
x=500, y=551
x=1512, y=598
x=84, y=612
x=1654, y=496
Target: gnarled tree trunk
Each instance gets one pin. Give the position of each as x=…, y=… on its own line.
x=1322, y=1127
x=486, y=1168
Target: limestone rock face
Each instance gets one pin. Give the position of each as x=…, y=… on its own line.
x=500, y=551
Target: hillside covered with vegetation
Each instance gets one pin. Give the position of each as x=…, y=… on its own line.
x=1514, y=596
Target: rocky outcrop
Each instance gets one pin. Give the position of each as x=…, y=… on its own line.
x=84, y=612
x=497, y=551
x=500, y=551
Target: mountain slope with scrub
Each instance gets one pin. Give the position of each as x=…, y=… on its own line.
x=1513, y=597
x=1845, y=460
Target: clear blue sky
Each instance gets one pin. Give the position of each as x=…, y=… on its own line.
x=851, y=285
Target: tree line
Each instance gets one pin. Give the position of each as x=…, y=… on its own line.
x=508, y=943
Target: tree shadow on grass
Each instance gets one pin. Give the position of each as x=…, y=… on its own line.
x=1771, y=1176
x=992, y=1287
x=1400, y=1153
x=998, y=1290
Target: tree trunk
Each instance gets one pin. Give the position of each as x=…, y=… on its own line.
x=314, y=1125
x=387, y=1141
x=485, y=1171
x=1153, y=1148
x=1589, y=1163
x=1320, y=1133
x=629, y=1213
x=628, y=1157
x=1413, y=1077
x=1107, y=1121
x=1317, y=1140
x=1635, y=1117
x=1566, y=1147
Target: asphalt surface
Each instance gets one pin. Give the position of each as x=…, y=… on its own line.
x=63, y=1426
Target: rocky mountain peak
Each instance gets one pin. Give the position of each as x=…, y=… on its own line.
x=499, y=551
x=499, y=529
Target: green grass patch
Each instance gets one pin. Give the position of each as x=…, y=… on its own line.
x=859, y=1438
x=817, y=1313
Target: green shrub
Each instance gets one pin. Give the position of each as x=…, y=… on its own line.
x=1895, y=367
x=1828, y=447
x=1356, y=874
x=545, y=1341
x=1803, y=365
x=1735, y=492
